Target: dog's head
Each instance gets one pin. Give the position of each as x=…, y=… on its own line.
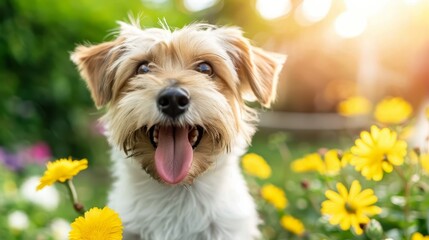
x=176, y=99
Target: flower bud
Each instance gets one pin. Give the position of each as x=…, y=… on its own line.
x=374, y=230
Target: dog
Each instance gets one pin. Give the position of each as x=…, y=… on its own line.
x=177, y=122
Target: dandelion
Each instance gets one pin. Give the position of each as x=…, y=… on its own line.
x=419, y=236
x=350, y=209
x=392, y=110
x=255, y=165
x=377, y=152
x=97, y=224
x=61, y=170
x=274, y=196
x=354, y=106
x=293, y=225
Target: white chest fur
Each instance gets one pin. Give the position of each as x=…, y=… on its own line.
x=217, y=206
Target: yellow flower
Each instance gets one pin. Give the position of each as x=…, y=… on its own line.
x=274, y=195
x=97, y=224
x=309, y=163
x=346, y=158
x=329, y=165
x=61, y=170
x=255, y=165
x=350, y=208
x=354, y=106
x=419, y=236
x=424, y=161
x=377, y=152
x=392, y=110
x=293, y=225
x=332, y=162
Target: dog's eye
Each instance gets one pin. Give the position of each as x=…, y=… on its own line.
x=205, y=68
x=143, y=68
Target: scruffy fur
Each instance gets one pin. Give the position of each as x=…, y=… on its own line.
x=212, y=201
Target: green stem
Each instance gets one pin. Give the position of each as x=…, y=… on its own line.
x=407, y=192
x=78, y=207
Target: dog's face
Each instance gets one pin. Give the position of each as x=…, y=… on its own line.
x=176, y=99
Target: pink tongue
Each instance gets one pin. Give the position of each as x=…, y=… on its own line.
x=173, y=156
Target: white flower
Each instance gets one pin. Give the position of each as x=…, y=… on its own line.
x=60, y=229
x=48, y=198
x=18, y=220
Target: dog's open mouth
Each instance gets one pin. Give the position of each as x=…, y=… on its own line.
x=195, y=133
x=174, y=150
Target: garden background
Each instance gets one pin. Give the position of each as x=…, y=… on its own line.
x=336, y=49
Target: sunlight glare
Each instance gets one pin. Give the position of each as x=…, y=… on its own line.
x=271, y=9
x=198, y=5
x=315, y=10
x=366, y=7
x=350, y=24
x=411, y=2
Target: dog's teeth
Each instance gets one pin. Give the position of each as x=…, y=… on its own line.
x=194, y=133
x=155, y=134
x=193, y=136
x=155, y=139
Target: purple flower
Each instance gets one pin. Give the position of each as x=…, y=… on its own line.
x=38, y=153
x=10, y=160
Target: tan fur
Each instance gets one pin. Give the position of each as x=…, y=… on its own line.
x=93, y=63
x=217, y=103
x=258, y=69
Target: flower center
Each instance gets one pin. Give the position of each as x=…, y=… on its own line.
x=350, y=208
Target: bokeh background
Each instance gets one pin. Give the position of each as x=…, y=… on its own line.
x=336, y=49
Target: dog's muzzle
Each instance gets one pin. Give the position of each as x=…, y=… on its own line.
x=173, y=101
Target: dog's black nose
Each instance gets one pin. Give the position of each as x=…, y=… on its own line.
x=173, y=101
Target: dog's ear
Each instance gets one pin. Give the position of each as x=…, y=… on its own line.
x=257, y=69
x=94, y=63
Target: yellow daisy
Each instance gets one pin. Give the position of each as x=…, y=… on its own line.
x=61, y=170
x=377, y=152
x=274, y=196
x=393, y=110
x=293, y=225
x=330, y=164
x=309, y=163
x=97, y=224
x=354, y=106
x=255, y=165
x=350, y=208
x=346, y=158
